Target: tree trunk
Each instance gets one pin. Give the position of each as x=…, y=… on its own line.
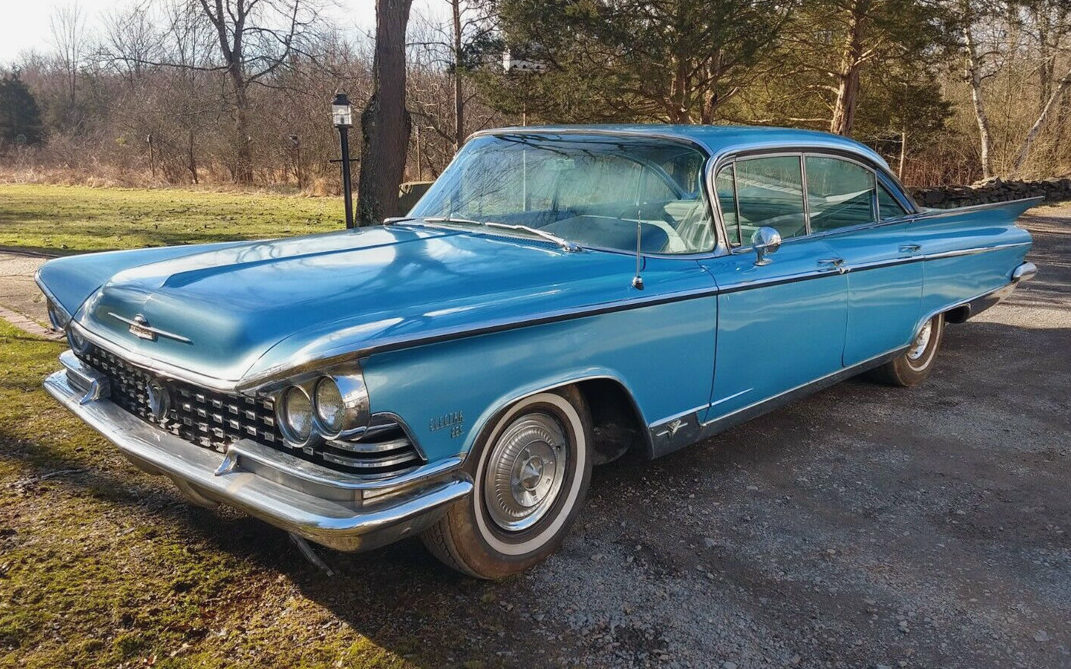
x=192, y=164
x=385, y=122
x=243, y=167
x=1028, y=141
x=974, y=77
x=459, y=99
x=848, y=76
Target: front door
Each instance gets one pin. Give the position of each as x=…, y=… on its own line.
x=780, y=324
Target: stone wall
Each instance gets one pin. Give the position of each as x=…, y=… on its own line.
x=992, y=190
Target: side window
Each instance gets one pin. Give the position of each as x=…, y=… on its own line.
x=725, y=185
x=769, y=192
x=887, y=204
x=840, y=193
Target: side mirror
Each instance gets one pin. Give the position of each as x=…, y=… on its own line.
x=766, y=240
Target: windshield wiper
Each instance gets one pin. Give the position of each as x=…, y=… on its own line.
x=568, y=246
x=565, y=244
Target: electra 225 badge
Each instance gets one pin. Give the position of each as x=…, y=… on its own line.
x=455, y=421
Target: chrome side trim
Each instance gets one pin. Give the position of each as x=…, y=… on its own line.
x=974, y=251
x=665, y=438
x=979, y=303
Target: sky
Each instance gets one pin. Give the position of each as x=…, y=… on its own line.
x=24, y=25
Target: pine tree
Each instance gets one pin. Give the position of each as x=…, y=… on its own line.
x=20, y=117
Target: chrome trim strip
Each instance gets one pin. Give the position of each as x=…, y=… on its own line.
x=312, y=473
x=891, y=352
x=148, y=328
x=701, y=407
x=974, y=251
x=1000, y=294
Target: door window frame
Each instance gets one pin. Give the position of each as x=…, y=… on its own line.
x=881, y=178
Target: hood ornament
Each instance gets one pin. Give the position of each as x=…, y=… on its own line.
x=139, y=327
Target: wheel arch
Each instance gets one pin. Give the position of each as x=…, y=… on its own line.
x=617, y=419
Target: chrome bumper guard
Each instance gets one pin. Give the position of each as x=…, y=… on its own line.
x=319, y=504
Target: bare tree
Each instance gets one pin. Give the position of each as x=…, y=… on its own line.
x=130, y=40
x=974, y=76
x=255, y=37
x=385, y=121
x=69, y=35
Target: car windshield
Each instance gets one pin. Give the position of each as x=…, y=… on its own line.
x=593, y=190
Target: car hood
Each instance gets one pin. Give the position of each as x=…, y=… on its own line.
x=243, y=310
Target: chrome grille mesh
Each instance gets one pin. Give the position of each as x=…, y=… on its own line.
x=214, y=420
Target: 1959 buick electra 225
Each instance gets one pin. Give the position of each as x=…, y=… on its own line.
x=559, y=296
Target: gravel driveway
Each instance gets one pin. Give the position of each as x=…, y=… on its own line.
x=866, y=526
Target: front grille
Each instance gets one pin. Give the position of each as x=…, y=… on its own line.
x=215, y=420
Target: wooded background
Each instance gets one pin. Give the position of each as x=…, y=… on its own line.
x=170, y=92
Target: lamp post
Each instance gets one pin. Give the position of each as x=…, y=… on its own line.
x=342, y=115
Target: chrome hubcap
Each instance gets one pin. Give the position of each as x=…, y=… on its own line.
x=922, y=340
x=525, y=471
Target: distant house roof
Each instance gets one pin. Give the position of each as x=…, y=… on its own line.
x=719, y=139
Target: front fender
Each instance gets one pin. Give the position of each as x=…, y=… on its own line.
x=446, y=392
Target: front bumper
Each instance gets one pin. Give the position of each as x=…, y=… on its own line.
x=319, y=504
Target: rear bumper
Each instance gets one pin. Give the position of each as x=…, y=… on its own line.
x=319, y=504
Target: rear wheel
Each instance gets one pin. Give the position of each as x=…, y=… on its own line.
x=915, y=364
x=531, y=470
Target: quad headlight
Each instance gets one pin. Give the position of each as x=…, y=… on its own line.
x=329, y=407
x=296, y=415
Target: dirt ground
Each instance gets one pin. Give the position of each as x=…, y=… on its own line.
x=865, y=526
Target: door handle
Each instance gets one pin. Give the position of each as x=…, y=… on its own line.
x=910, y=248
x=833, y=263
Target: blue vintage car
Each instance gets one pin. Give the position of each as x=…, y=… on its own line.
x=558, y=297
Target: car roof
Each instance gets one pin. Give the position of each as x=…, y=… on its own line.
x=718, y=140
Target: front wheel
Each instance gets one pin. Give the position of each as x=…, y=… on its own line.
x=915, y=364
x=531, y=470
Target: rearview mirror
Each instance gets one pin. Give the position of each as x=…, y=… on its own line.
x=766, y=240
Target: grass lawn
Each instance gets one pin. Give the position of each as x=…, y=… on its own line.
x=71, y=219
x=102, y=565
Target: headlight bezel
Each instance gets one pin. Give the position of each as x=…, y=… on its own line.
x=354, y=407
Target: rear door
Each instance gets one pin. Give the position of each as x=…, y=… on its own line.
x=864, y=225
